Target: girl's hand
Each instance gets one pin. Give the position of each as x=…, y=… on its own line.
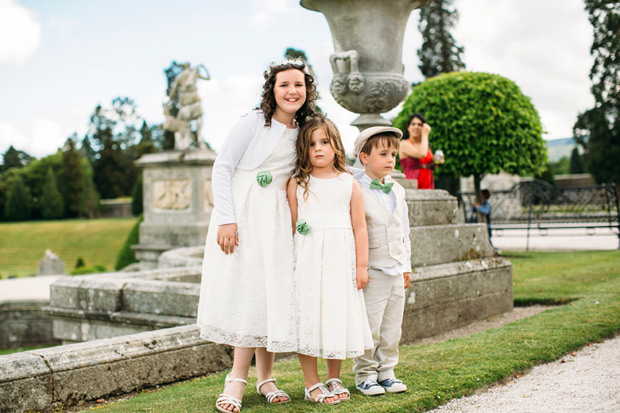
x=227, y=238
x=407, y=279
x=361, y=275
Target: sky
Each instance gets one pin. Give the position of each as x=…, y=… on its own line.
x=60, y=59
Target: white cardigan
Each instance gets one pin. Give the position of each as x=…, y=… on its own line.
x=247, y=146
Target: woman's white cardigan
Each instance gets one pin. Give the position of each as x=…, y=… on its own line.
x=246, y=147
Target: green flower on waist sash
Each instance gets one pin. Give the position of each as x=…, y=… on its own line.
x=302, y=227
x=375, y=184
x=264, y=178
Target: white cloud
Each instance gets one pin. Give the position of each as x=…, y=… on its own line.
x=61, y=25
x=224, y=101
x=542, y=46
x=266, y=11
x=9, y=135
x=20, y=33
x=44, y=138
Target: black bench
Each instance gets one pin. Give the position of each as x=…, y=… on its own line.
x=537, y=205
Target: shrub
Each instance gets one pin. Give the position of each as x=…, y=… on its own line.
x=482, y=122
x=96, y=268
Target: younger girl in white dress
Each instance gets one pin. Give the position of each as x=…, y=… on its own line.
x=331, y=258
x=247, y=293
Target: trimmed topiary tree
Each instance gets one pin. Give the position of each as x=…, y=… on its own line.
x=126, y=255
x=136, y=198
x=482, y=122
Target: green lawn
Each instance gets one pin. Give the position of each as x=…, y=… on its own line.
x=97, y=241
x=587, y=282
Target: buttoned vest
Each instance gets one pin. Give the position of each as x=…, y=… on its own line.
x=386, y=246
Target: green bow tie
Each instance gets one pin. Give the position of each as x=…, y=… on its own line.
x=375, y=184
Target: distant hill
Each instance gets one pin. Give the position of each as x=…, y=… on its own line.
x=558, y=148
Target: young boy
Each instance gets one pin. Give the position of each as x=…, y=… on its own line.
x=389, y=259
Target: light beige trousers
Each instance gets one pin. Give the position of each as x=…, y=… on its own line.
x=385, y=304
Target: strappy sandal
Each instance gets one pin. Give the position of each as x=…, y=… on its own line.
x=321, y=397
x=335, y=386
x=224, y=398
x=273, y=394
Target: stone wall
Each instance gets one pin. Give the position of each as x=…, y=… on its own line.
x=25, y=324
x=47, y=378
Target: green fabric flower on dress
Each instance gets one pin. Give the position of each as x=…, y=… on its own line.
x=302, y=227
x=264, y=178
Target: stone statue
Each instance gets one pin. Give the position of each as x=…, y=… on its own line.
x=184, y=106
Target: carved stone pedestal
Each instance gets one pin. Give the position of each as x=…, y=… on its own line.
x=177, y=202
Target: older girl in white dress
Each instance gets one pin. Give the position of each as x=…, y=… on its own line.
x=247, y=296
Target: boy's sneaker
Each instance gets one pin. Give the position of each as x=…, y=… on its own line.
x=370, y=388
x=393, y=385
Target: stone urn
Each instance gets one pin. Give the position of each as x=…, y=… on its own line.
x=367, y=60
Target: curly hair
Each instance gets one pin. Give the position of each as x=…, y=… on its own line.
x=411, y=118
x=268, y=99
x=303, y=167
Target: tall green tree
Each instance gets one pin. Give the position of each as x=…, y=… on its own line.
x=14, y=158
x=18, y=203
x=482, y=122
x=52, y=206
x=439, y=53
x=70, y=179
x=598, y=129
x=87, y=150
x=576, y=165
x=89, y=198
x=112, y=134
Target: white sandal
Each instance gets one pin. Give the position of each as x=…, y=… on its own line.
x=337, y=388
x=224, y=398
x=321, y=397
x=272, y=395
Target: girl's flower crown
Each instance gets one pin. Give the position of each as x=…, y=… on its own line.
x=297, y=63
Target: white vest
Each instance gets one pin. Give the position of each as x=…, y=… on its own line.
x=386, y=246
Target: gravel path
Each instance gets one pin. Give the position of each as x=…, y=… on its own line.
x=585, y=381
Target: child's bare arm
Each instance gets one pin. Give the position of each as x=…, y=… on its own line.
x=360, y=233
x=291, y=195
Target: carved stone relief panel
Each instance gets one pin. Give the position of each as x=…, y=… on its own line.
x=172, y=194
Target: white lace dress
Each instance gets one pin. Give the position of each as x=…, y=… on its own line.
x=331, y=314
x=246, y=298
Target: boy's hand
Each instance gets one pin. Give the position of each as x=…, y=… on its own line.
x=361, y=275
x=407, y=279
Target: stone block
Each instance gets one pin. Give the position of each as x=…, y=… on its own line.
x=156, y=297
x=25, y=383
x=431, y=208
x=64, y=292
x=51, y=264
x=25, y=324
x=87, y=371
x=437, y=244
x=448, y=296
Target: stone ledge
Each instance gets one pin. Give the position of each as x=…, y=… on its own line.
x=437, y=244
x=40, y=379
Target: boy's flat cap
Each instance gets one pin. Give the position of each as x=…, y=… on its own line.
x=370, y=132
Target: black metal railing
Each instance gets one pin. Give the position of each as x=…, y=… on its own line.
x=536, y=204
